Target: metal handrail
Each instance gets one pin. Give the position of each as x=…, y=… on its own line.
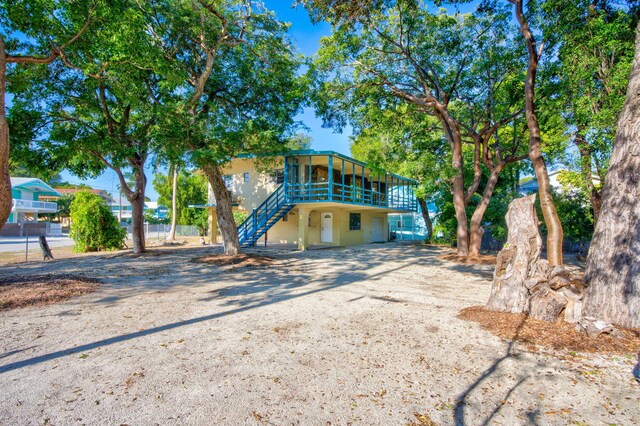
x=263, y=213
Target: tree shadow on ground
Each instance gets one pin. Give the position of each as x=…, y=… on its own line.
x=462, y=399
x=256, y=288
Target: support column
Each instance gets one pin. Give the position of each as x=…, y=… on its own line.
x=213, y=226
x=303, y=228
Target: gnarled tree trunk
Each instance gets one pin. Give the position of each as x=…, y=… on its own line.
x=613, y=269
x=224, y=210
x=522, y=282
x=174, y=205
x=517, y=261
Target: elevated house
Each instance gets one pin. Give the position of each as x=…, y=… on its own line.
x=25, y=199
x=313, y=198
x=26, y=206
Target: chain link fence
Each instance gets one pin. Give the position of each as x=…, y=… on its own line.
x=160, y=231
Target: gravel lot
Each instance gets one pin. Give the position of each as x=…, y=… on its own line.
x=364, y=335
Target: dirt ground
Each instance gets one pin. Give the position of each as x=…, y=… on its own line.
x=365, y=335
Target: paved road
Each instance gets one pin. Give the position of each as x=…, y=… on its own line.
x=16, y=244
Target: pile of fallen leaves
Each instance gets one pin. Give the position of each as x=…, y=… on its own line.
x=242, y=260
x=21, y=291
x=468, y=260
x=556, y=335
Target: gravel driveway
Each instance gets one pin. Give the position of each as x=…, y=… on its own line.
x=365, y=335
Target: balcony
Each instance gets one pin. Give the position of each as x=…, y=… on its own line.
x=332, y=177
x=30, y=206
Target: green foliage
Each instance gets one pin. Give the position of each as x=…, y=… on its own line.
x=93, y=226
x=152, y=220
x=192, y=190
x=240, y=217
x=249, y=89
x=64, y=205
x=575, y=214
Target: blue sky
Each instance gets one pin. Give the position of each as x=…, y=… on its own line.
x=306, y=36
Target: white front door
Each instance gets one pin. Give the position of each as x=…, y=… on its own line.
x=326, y=233
x=376, y=230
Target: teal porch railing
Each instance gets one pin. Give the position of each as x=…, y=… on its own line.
x=400, y=198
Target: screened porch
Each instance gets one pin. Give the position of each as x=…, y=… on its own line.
x=313, y=176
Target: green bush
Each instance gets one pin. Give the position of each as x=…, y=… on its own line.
x=93, y=226
x=240, y=217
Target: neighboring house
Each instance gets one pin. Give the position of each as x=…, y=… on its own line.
x=529, y=185
x=314, y=198
x=26, y=194
x=158, y=211
x=26, y=205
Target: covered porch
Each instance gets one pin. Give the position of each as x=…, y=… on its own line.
x=325, y=176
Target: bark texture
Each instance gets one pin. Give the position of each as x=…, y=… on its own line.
x=135, y=197
x=613, y=266
x=554, y=227
x=522, y=282
x=427, y=219
x=476, y=219
x=5, y=180
x=517, y=261
x=174, y=205
x=224, y=211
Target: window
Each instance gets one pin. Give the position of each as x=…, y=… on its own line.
x=246, y=177
x=228, y=181
x=354, y=221
x=277, y=176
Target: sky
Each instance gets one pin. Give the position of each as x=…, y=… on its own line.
x=306, y=36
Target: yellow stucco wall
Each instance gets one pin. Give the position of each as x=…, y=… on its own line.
x=257, y=189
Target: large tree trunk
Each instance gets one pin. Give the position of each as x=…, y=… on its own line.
x=224, y=210
x=613, y=269
x=5, y=180
x=595, y=196
x=478, y=214
x=517, y=261
x=137, y=219
x=422, y=202
x=174, y=205
x=137, y=211
x=554, y=227
x=454, y=137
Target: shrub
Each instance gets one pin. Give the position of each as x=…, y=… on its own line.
x=93, y=226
